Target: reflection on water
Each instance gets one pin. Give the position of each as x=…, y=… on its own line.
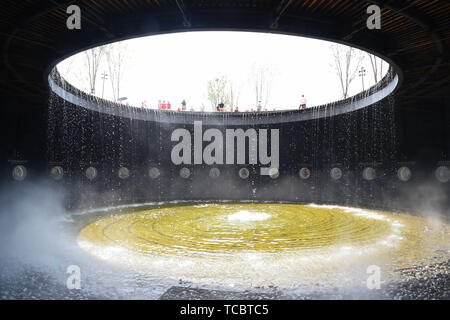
x=252, y=244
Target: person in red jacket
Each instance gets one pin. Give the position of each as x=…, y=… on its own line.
x=168, y=105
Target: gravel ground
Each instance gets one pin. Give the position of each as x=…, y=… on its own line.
x=425, y=282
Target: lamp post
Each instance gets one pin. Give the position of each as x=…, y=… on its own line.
x=104, y=77
x=362, y=74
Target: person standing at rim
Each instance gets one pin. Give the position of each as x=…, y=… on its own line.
x=183, y=105
x=302, y=102
x=259, y=106
x=220, y=107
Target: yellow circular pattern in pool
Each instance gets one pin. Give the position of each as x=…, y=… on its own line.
x=258, y=243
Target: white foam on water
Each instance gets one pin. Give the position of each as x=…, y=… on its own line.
x=248, y=216
x=324, y=206
x=356, y=211
x=388, y=241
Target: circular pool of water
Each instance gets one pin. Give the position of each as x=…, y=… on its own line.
x=258, y=244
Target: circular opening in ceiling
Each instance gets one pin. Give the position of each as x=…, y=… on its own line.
x=224, y=72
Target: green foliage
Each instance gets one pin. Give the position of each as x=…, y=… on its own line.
x=217, y=91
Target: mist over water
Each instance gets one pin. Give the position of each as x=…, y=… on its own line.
x=34, y=250
x=30, y=229
x=38, y=244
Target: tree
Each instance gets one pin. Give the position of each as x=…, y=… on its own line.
x=233, y=94
x=377, y=67
x=347, y=61
x=217, y=91
x=262, y=78
x=116, y=58
x=93, y=58
x=72, y=71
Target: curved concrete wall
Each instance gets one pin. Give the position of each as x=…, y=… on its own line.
x=387, y=86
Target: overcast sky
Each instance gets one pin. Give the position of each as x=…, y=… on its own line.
x=174, y=67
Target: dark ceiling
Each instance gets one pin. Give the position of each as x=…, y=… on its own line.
x=415, y=34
